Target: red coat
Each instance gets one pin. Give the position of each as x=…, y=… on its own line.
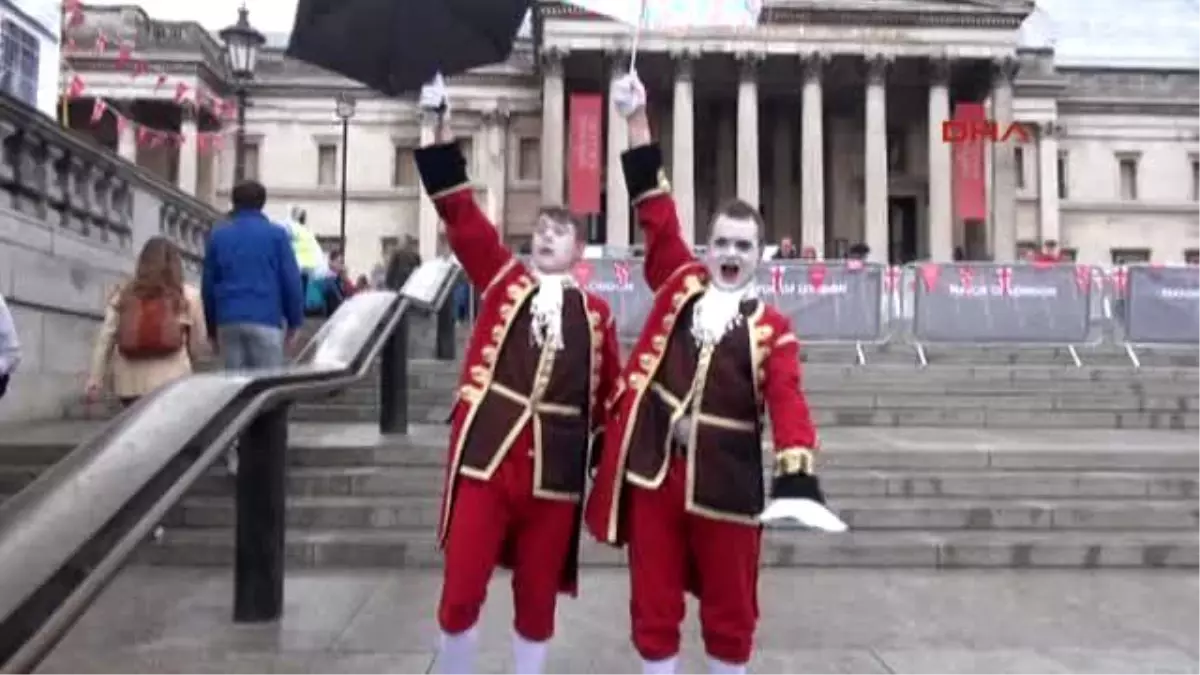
x=505, y=286
x=676, y=276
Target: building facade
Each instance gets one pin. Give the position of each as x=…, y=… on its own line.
x=828, y=117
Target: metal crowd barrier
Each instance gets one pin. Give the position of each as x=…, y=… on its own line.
x=1019, y=305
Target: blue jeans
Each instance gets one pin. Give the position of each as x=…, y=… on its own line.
x=248, y=346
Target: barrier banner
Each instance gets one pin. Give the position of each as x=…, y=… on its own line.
x=1162, y=305
x=986, y=303
x=619, y=281
x=826, y=302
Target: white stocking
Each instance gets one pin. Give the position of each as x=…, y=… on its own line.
x=456, y=653
x=663, y=667
x=528, y=657
x=718, y=667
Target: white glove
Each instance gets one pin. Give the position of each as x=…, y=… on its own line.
x=628, y=94
x=434, y=97
x=682, y=431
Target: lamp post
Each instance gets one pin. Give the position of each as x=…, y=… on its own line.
x=345, y=110
x=242, y=43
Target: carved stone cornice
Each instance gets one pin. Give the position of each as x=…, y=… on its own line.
x=684, y=60
x=551, y=60
x=498, y=114
x=877, y=66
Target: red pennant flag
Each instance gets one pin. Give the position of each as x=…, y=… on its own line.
x=929, y=275
x=101, y=43
x=124, y=54
x=181, y=92
x=816, y=275
x=777, y=274
x=122, y=124
x=1083, y=277
x=1004, y=275
x=621, y=270
x=155, y=139
x=75, y=18
x=965, y=276
x=71, y=44
x=72, y=5
x=143, y=136
x=1119, y=277
x=854, y=265
x=582, y=273
x=160, y=82
x=891, y=279
x=76, y=87
x=98, y=109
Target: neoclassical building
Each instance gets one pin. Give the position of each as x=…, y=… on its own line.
x=827, y=115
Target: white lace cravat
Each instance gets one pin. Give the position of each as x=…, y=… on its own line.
x=546, y=309
x=716, y=312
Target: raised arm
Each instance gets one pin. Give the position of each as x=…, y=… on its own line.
x=649, y=189
x=470, y=233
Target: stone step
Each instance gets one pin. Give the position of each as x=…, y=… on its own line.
x=347, y=548
x=426, y=481
x=981, y=415
x=406, y=513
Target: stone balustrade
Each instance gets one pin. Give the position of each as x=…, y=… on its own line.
x=73, y=217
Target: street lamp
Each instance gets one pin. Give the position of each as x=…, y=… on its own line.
x=242, y=43
x=345, y=110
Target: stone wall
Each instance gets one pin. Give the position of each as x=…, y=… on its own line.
x=72, y=220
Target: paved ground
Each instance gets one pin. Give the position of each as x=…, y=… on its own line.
x=813, y=622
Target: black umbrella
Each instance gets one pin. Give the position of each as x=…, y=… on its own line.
x=395, y=46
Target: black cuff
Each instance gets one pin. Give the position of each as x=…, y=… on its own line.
x=441, y=166
x=797, y=486
x=644, y=173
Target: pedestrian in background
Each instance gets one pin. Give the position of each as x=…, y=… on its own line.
x=10, y=347
x=252, y=292
x=153, y=330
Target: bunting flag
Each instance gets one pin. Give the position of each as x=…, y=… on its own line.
x=127, y=59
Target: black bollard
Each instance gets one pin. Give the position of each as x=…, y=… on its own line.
x=446, y=331
x=261, y=510
x=393, y=381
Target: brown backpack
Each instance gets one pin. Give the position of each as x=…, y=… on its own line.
x=149, y=327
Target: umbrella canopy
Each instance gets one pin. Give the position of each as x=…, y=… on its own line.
x=395, y=46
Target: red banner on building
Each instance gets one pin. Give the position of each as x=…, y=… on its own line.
x=583, y=171
x=970, y=175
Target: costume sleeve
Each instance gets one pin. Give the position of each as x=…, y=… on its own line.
x=609, y=374
x=791, y=422
x=650, y=193
x=471, y=235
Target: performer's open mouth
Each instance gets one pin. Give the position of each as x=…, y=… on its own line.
x=545, y=251
x=730, y=272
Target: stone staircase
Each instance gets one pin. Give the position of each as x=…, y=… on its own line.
x=929, y=498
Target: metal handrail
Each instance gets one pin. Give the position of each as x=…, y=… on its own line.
x=65, y=536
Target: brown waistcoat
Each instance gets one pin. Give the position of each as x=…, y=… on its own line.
x=546, y=388
x=726, y=445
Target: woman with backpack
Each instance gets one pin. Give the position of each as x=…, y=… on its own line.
x=153, y=328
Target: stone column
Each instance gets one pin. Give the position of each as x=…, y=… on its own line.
x=495, y=169
x=427, y=217
x=876, y=170
x=683, y=153
x=781, y=222
x=1048, y=206
x=554, y=115
x=127, y=142
x=1004, y=166
x=617, y=204
x=812, y=159
x=747, y=129
x=189, y=155
x=726, y=154
x=941, y=197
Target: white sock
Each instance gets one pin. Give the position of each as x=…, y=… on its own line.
x=456, y=653
x=528, y=657
x=664, y=667
x=718, y=667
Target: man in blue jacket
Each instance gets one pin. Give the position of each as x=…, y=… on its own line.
x=253, y=297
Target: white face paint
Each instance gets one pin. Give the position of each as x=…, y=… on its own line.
x=733, y=252
x=555, y=246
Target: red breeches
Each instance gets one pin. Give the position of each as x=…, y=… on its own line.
x=489, y=516
x=671, y=551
